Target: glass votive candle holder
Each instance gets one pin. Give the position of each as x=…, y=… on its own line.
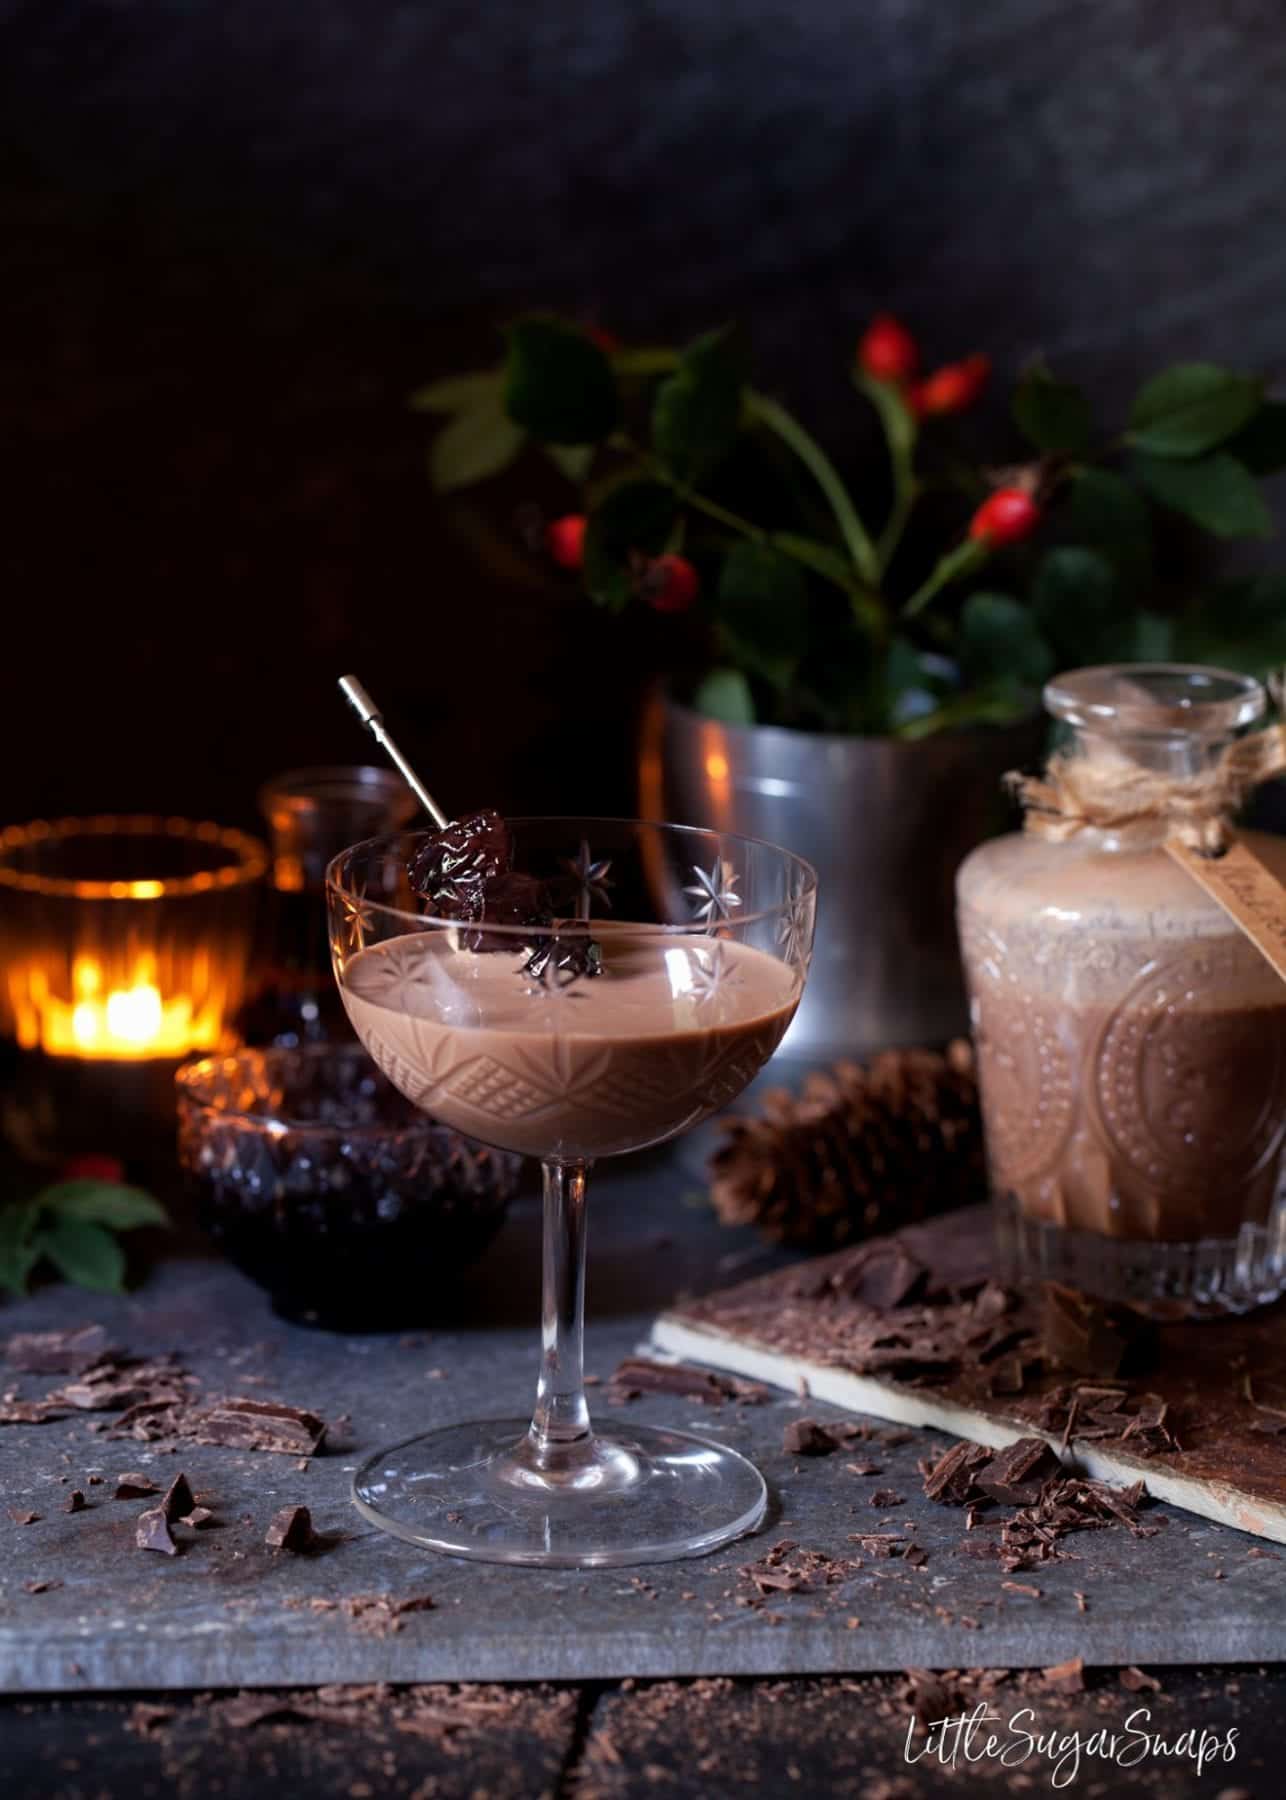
x=316, y=1178
x=312, y=814
x=125, y=942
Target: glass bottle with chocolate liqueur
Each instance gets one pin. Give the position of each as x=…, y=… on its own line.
x=1131, y=1040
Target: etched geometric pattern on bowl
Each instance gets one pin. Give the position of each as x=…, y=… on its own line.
x=1162, y=1054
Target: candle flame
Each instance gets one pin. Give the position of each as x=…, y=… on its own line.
x=127, y=1018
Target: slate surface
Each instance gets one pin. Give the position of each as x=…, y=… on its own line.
x=222, y=1612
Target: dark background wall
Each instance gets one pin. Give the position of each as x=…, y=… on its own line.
x=234, y=235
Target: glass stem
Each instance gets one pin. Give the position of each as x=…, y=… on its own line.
x=561, y=1419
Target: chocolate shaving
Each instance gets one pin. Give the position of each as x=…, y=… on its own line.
x=178, y=1499
x=133, y=1486
x=1138, y=1681
x=291, y=1529
x=57, y=1352
x=642, y=1375
x=380, y=1615
x=1016, y=1474
x=951, y=1480
x=23, y=1518
x=1066, y=1677
x=241, y=1424
x=883, y=1278
x=808, y=1437
x=199, y=1516
x=153, y=1533
x=1082, y=1334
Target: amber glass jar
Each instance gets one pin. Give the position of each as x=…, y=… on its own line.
x=1131, y=1041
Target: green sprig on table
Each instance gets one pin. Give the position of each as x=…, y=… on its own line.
x=812, y=611
x=73, y=1225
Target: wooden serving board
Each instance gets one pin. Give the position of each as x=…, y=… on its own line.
x=798, y=1329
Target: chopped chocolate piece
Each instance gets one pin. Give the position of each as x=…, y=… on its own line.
x=291, y=1529
x=146, y=1718
x=863, y=1468
x=56, y=1352
x=885, y=1497
x=1082, y=1334
x=243, y=1424
x=808, y=1437
x=1136, y=1681
x=95, y=1481
x=1017, y=1473
x=76, y=1502
x=31, y=1412
x=916, y=1556
x=39, y=1587
x=951, y=1480
x=883, y=1278
x=23, y=1518
x=1066, y=1677
x=113, y=1384
x=134, y=1487
x=380, y=1615
x=199, y=1516
x=1022, y=1587
x=642, y=1375
x=178, y=1499
x=153, y=1533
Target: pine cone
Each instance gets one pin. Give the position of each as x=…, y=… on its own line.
x=861, y=1150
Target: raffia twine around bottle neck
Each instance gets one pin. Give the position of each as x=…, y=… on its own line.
x=1100, y=788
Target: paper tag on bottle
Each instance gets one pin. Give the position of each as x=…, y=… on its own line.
x=1248, y=891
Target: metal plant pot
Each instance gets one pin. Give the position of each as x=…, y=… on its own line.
x=886, y=824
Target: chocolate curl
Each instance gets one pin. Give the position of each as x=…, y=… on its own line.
x=1107, y=791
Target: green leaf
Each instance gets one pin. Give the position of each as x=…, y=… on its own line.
x=1053, y=415
x=458, y=393
x=635, y=517
x=474, y=445
x=725, y=695
x=1112, y=517
x=1216, y=492
x=763, y=612
x=85, y=1253
x=105, y=1202
x=18, y=1251
x=572, y=460
x=998, y=703
x=559, y=385
x=1241, y=625
x=999, y=637
x=1074, y=600
x=697, y=410
x=1150, y=638
x=1261, y=444
x=915, y=682
x=1190, y=408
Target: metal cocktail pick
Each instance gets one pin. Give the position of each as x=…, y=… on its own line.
x=367, y=711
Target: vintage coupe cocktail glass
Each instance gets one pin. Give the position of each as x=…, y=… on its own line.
x=502, y=1031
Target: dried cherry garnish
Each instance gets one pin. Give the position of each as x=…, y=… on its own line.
x=452, y=867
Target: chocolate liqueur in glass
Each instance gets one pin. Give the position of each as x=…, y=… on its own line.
x=622, y=981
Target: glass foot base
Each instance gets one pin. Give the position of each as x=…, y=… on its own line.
x=1206, y=1279
x=638, y=1496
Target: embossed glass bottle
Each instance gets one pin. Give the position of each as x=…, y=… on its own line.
x=1131, y=1041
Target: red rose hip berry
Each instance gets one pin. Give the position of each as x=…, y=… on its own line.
x=886, y=349
x=565, y=540
x=670, y=584
x=951, y=388
x=1005, y=517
